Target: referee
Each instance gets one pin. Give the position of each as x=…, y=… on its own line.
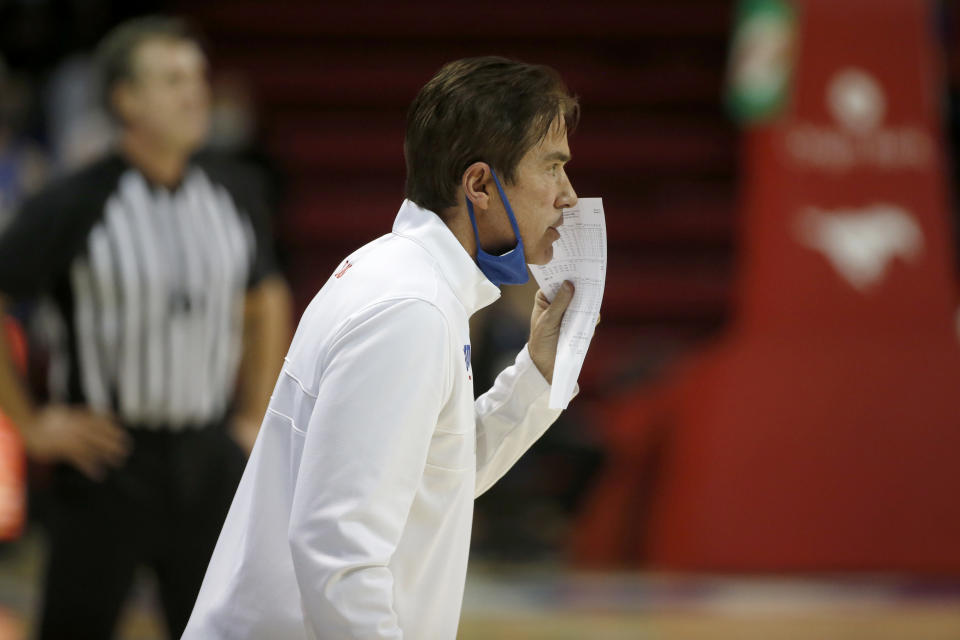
x=172, y=323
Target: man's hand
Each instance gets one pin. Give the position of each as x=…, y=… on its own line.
x=88, y=441
x=545, y=328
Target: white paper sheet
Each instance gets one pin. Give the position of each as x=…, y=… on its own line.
x=580, y=255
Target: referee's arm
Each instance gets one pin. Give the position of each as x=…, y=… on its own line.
x=266, y=336
x=267, y=316
x=34, y=248
x=90, y=442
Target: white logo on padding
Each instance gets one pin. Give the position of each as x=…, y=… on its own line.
x=860, y=138
x=861, y=243
x=856, y=100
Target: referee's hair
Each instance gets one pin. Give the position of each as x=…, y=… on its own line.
x=115, y=52
x=487, y=109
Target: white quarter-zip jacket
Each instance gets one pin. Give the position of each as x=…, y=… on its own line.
x=353, y=516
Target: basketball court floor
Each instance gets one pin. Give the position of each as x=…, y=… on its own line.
x=550, y=603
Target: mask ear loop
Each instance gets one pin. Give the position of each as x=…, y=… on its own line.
x=473, y=221
x=506, y=204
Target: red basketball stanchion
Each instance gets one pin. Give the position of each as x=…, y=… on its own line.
x=821, y=432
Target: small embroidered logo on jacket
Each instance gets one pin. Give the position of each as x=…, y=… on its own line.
x=466, y=357
x=339, y=274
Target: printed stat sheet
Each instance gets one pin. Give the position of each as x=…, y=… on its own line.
x=580, y=255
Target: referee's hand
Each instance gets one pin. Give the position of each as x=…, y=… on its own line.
x=89, y=441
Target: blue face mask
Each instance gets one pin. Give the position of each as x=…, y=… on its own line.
x=511, y=267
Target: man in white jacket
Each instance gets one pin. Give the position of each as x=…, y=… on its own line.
x=353, y=516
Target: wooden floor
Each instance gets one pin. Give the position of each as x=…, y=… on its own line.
x=550, y=603
x=914, y=624
x=556, y=605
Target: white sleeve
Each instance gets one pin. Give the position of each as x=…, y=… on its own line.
x=381, y=392
x=511, y=416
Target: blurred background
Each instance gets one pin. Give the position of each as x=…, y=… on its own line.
x=767, y=438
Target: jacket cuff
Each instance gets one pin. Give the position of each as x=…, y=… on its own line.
x=530, y=380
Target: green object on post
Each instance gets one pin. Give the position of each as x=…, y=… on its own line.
x=761, y=60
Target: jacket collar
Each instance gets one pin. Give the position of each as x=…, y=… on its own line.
x=462, y=274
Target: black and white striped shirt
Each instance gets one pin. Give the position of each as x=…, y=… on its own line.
x=148, y=284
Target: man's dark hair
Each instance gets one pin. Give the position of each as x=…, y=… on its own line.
x=115, y=52
x=486, y=109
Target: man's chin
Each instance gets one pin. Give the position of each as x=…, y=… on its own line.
x=191, y=138
x=542, y=257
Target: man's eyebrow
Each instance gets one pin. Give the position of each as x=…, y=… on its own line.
x=557, y=155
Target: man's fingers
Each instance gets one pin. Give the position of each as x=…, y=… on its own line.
x=561, y=301
x=87, y=465
x=107, y=433
x=105, y=440
x=541, y=300
x=92, y=457
x=108, y=452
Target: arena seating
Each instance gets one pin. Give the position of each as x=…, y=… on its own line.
x=333, y=82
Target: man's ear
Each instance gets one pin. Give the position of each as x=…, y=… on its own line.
x=122, y=100
x=475, y=182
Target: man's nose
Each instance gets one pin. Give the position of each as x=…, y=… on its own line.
x=567, y=197
x=197, y=94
